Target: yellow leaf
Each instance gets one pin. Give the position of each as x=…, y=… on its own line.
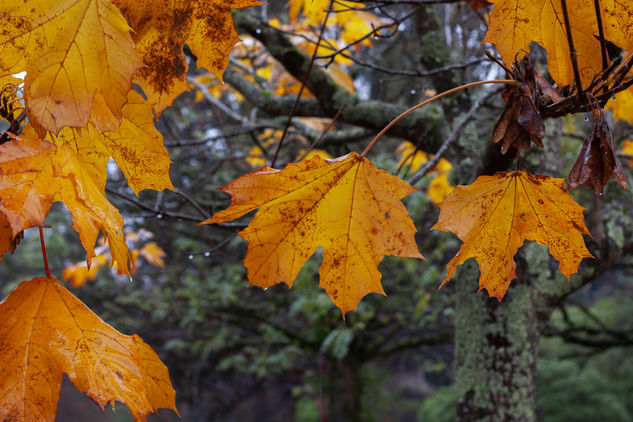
x=439, y=188
x=623, y=107
x=255, y=157
x=79, y=272
x=514, y=24
x=137, y=147
x=628, y=150
x=315, y=153
x=46, y=331
x=162, y=28
x=153, y=253
x=35, y=173
x=347, y=206
x=496, y=214
x=70, y=50
x=410, y=156
x=356, y=25
x=340, y=77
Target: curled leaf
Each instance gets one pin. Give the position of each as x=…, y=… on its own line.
x=35, y=173
x=520, y=124
x=597, y=161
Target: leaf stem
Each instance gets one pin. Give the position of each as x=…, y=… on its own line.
x=429, y=100
x=48, y=272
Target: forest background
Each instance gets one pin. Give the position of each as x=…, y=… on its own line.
x=560, y=350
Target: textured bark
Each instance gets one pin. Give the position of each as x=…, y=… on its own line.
x=496, y=345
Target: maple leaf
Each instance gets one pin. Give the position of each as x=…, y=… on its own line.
x=514, y=24
x=8, y=241
x=161, y=28
x=623, y=107
x=496, y=214
x=34, y=173
x=78, y=273
x=597, y=160
x=70, y=51
x=136, y=146
x=346, y=205
x=46, y=331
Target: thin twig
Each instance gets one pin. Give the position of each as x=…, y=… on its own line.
x=303, y=84
x=603, y=43
x=413, y=73
x=452, y=137
x=219, y=104
x=326, y=130
x=572, y=52
x=154, y=211
x=189, y=199
x=425, y=102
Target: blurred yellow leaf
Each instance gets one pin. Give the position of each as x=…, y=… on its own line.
x=153, y=253
x=78, y=273
x=623, y=107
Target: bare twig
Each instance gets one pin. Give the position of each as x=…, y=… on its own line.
x=603, y=44
x=303, y=84
x=326, y=130
x=452, y=137
x=219, y=104
x=572, y=52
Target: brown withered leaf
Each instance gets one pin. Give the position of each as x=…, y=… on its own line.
x=478, y=4
x=520, y=124
x=597, y=160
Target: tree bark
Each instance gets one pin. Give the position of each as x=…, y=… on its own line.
x=496, y=346
x=345, y=391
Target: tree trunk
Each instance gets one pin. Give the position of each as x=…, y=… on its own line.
x=496, y=346
x=345, y=391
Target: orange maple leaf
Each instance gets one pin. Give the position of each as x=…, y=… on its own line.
x=34, y=173
x=514, y=24
x=162, y=28
x=70, y=51
x=346, y=205
x=496, y=214
x=45, y=331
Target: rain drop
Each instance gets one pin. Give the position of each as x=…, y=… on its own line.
x=258, y=31
x=159, y=216
x=190, y=256
x=207, y=254
x=412, y=91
